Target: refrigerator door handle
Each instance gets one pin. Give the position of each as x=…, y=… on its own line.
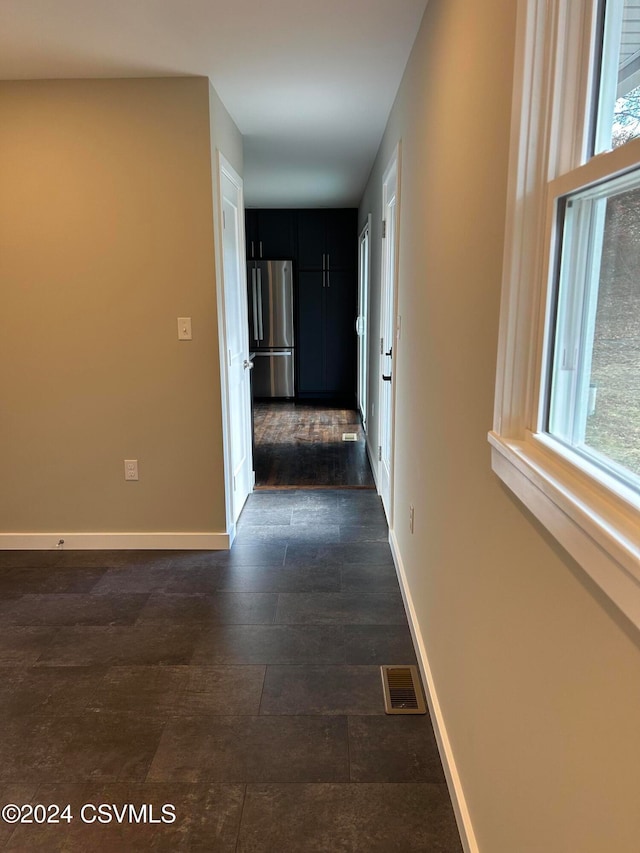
x=255, y=304
x=260, y=319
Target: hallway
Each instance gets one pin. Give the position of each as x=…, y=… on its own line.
x=242, y=687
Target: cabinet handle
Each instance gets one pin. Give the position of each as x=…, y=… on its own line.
x=260, y=304
x=260, y=248
x=386, y=378
x=252, y=252
x=255, y=304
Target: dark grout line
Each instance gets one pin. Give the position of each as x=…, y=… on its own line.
x=244, y=799
x=264, y=678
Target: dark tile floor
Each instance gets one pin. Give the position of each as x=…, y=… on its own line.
x=241, y=687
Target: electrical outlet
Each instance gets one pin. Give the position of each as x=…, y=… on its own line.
x=131, y=469
x=411, y=517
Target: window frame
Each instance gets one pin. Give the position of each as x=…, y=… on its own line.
x=591, y=513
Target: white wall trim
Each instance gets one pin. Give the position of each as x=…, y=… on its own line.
x=373, y=461
x=454, y=783
x=601, y=537
x=391, y=173
x=364, y=287
x=217, y=169
x=117, y=541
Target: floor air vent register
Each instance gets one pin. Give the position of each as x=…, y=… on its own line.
x=402, y=690
x=349, y=436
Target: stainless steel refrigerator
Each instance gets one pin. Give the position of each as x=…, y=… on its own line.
x=271, y=338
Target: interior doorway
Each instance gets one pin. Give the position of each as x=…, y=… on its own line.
x=388, y=339
x=362, y=321
x=234, y=345
x=307, y=321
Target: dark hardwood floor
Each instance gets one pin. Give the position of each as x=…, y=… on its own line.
x=300, y=445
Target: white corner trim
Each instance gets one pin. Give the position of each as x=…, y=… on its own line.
x=117, y=541
x=463, y=818
x=595, y=533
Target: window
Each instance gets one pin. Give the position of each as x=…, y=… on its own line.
x=566, y=435
x=594, y=393
x=618, y=114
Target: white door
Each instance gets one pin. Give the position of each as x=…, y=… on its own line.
x=390, y=213
x=362, y=320
x=238, y=442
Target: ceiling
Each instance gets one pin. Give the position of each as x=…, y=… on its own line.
x=308, y=82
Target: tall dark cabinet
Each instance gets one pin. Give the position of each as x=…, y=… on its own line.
x=327, y=303
x=323, y=245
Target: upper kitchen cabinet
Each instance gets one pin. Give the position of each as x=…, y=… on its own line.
x=327, y=239
x=270, y=234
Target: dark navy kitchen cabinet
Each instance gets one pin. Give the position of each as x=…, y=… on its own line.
x=327, y=239
x=327, y=301
x=323, y=243
x=310, y=331
x=270, y=234
x=339, y=345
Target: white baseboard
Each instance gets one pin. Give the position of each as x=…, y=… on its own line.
x=117, y=541
x=454, y=784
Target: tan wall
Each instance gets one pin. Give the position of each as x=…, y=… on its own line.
x=106, y=237
x=538, y=678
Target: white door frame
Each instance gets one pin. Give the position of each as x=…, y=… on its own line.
x=388, y=328
x=226, y=169
x=362, y=321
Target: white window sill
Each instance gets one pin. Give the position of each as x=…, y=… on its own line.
x=599, y=529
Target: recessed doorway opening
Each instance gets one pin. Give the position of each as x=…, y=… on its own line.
x=300, y=445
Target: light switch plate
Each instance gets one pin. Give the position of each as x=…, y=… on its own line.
x=184, y=329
